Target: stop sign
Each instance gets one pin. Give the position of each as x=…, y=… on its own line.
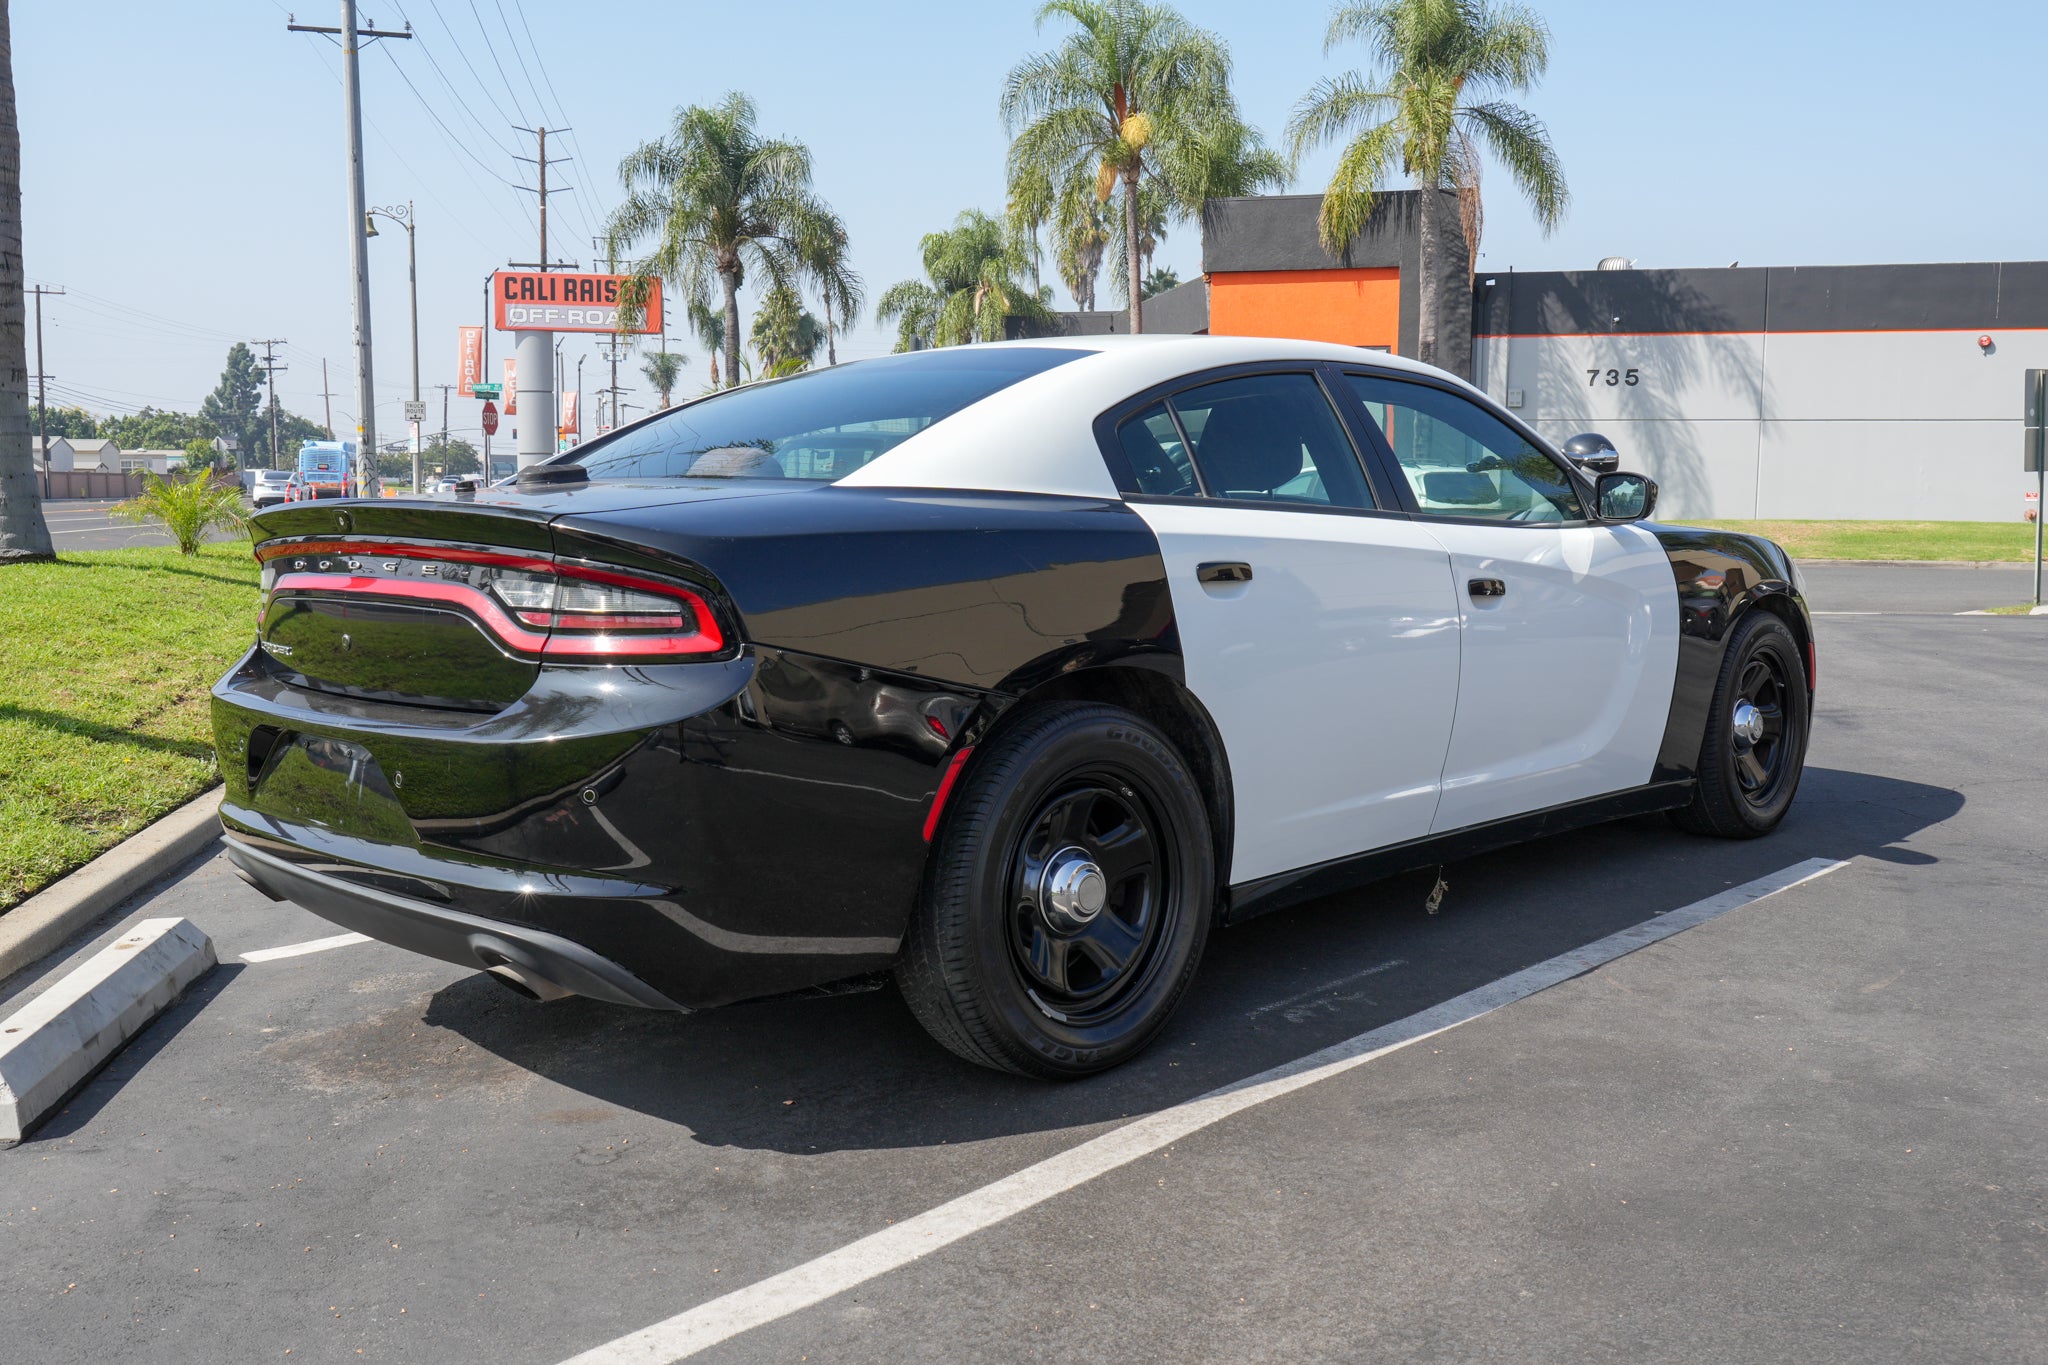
x=490, y=418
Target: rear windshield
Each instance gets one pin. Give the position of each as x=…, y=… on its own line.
x=822, y=424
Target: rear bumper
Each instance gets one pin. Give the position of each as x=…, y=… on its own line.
x=448, y=934
x=677, y=836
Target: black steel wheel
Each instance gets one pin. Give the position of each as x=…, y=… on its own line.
x=1067, y=896
x=1754, y=749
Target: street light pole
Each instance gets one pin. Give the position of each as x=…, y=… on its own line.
x=404, y=218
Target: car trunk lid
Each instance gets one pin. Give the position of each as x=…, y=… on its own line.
x=459, y=603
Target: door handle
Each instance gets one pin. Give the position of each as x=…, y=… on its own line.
x=1487, y=587
x=1224, y=571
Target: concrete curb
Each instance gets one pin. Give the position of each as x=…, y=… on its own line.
x=40, y=924
x=52, y=1045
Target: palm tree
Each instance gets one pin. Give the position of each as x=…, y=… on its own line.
x=1079, y=253
x=709, y=325
x=785, y=336
x=1134, y=96
x=662, y=369
x=716, y=199
x=825, y=260
x=970, y=290
x=1427, y=107
x=24, y=535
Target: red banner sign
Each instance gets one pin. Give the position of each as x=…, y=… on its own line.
x=469, y=364
x=566, y=301
x=511, y=387
x=566, y=425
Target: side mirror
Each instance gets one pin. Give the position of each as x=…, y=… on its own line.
x=1625, y=497
x=1593, y=453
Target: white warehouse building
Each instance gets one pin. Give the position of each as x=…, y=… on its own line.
x=1889, y=392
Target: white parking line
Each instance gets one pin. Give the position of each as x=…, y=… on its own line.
x=1327, y=986
x=317, y=945
x=896, y=1246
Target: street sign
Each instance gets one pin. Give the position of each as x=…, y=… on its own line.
x=490, y=419
x=487, y=390
x=415, y=410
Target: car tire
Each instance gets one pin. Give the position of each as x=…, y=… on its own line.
x=1751, y=759
x=1017, y=958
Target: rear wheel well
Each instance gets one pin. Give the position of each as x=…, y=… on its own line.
x=1183, y=719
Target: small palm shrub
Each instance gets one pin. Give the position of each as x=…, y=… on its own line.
x=188, y=508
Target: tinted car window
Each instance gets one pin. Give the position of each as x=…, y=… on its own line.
x=1271, y=438
x=1159, y=460
x=822, y=424
x=1461, y=460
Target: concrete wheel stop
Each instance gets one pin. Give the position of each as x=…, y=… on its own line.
x=55, y=1042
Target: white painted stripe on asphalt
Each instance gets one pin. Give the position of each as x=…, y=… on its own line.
x=898, y=1245
x=1327, y=986
x=318, y=945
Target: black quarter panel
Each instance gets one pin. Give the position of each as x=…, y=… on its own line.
x=984, y=591
x=1720, y=575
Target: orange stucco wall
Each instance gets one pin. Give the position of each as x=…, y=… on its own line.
x=1355, y=307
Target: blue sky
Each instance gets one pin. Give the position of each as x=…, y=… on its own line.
x=188, y=163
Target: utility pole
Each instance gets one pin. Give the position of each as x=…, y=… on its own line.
x=581, y=401
x=42, y=379
x=327, y=398
x=359, y=257
x=537, y=397
x=445, y=389
x=270, y=369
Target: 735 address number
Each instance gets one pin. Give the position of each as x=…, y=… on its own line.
x=1629, y=377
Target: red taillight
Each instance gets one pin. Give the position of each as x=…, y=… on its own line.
x=534, y=606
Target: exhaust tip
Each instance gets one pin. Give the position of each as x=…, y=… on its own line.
x=522, y=981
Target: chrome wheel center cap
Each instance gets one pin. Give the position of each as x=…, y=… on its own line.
x=1748, y=724
x=1074, y=890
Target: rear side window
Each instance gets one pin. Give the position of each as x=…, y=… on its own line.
x=819, y=425
x=1271, y=438
x=1159, y=460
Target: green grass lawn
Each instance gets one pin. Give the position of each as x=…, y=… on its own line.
x=1981, y=540
x=105, y=662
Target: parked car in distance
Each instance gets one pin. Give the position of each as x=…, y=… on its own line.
x=1013, y=670
x=269, y=487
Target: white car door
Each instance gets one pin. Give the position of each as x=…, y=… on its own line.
x=1570, y=627
x=1321, y=635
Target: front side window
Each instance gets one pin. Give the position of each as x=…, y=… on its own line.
x=819, y=425
x=1462, y=461
x=1258, y=438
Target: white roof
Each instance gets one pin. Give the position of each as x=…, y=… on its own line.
x=1037, y=435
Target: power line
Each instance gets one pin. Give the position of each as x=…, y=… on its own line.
x=461, y=103
x=492, y=48
x=592, y=214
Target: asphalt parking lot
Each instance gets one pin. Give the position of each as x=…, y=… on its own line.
x=1810, y=1128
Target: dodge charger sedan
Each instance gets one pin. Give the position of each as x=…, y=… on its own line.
x=1011, y=670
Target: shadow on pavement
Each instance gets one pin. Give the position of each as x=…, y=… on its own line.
x=862, y=1074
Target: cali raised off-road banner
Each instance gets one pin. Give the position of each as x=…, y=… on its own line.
x=566, y=301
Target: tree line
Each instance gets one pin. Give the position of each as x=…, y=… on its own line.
x=1118, y=133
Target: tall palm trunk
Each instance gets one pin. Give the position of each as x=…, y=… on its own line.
x=1429, y=305
x=24, y=534
x=1134, y=268
x=831, y=351
x=730, y=278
